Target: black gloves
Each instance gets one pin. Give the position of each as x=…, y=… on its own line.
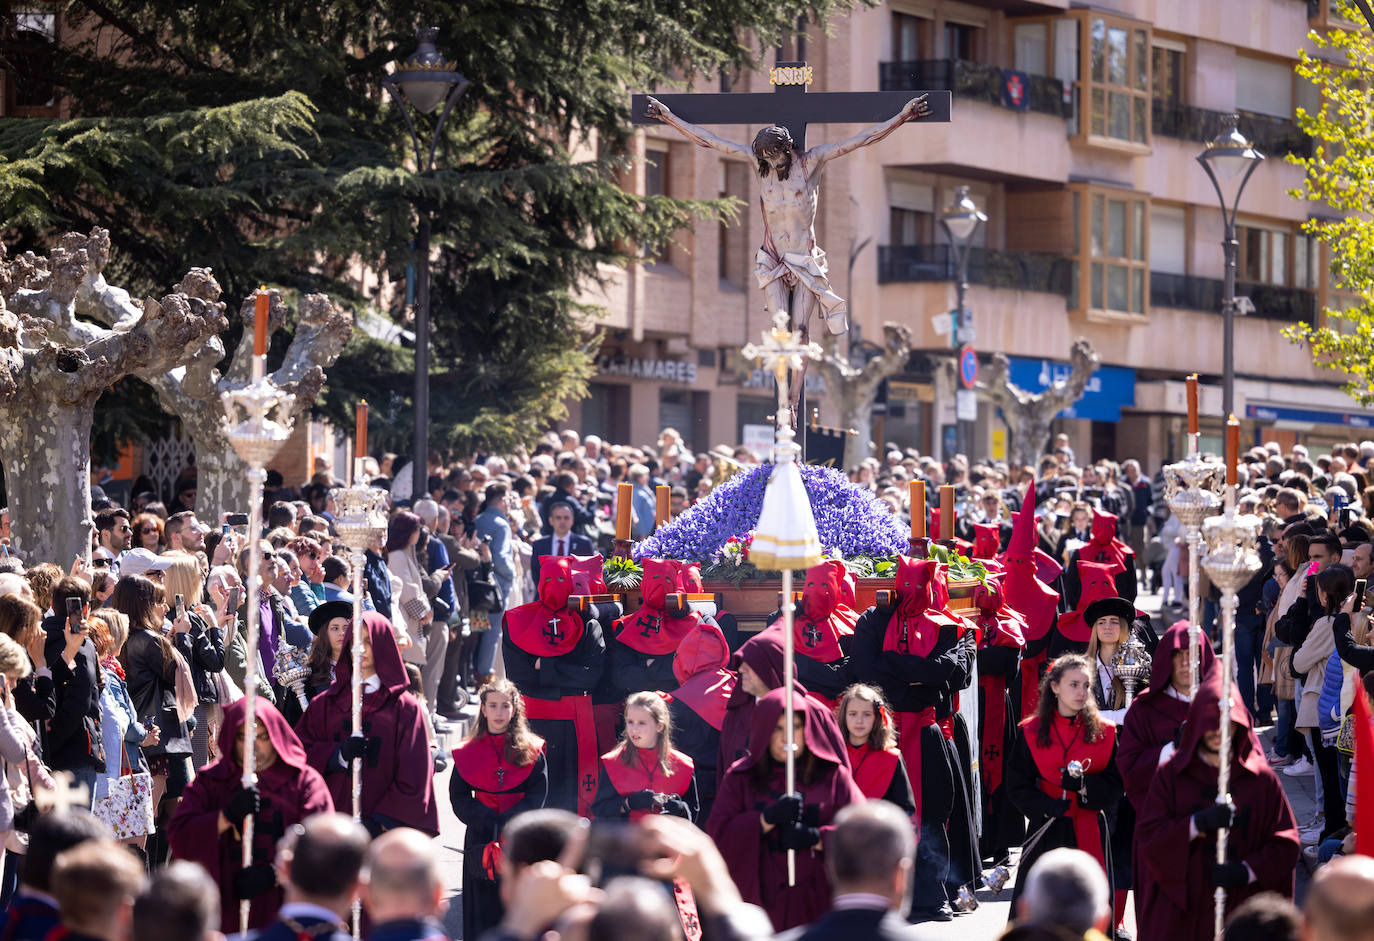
x=254, y=881
x=1211, y=819
x=787, y=809
x=374, y=827
x=675, y=806
x=640, y=800
x=1230, y=875
x=1061, y=807
x=245, y=802
x=796, y=836
x=355, y=746
x=1071, y=782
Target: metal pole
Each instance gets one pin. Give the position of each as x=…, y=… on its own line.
x=420, y=472
x=257, y=476
x=787, y=681
x=1228, y=343
x=358, y=560
x=961, y=252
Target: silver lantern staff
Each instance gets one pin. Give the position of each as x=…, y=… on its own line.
x=785, y=538
x=1131, y=665
x=1232, y=560
x=259, y=423
x=1192, y=488
x=360, y=522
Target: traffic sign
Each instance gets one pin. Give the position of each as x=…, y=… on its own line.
x=968, y=367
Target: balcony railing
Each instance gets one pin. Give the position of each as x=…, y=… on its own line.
x=1291, y=305
x=1024, y=271
x=1273, y=136
x=973, y=81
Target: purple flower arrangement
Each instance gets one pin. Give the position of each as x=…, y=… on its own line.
x=849, y=519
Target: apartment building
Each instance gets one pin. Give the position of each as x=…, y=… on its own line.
x=1076, y=129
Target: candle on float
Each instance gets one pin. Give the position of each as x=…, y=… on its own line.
x=1232, y=449
x=918, y=509
x=1192, y=404
x=946, y=512
x=260, y=322
x=624, y=496
x=360, y=434
x=661, y=512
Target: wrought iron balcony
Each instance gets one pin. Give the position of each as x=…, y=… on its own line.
x=973, y=81
x=1291, y=305
x=1023, y=271
x=1273, y=136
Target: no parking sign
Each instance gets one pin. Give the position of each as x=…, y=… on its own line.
x=968, y=366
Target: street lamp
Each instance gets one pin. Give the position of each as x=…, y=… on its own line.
x=423, y=82
x=960, y=220
x=1227, y=157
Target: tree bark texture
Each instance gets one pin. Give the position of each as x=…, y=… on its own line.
x=853, y=389
x=1028, y=415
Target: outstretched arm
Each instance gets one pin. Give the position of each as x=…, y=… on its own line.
x=695, y=134
x=915, y=108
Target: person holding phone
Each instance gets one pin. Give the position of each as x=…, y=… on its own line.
x=74, y=741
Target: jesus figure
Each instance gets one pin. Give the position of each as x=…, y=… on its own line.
x=789, y=189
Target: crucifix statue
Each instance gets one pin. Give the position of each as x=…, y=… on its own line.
x=789, y=174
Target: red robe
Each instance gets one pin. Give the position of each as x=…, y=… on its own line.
x=1177, y=886
x=294, y=789
x=757, y=862
x=1031, y=597
x=398, y=771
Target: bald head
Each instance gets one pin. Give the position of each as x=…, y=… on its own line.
x=1340, y=905
x=401, y=877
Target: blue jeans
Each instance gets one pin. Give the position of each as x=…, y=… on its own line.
x=1249, y=646
x=1287, y=741
x=1330, y=847
x=87, y=777
x=484, y=659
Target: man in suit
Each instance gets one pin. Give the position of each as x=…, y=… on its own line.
x=321, y=871
x=563, y=541
x=869, y=858
x=403, y=893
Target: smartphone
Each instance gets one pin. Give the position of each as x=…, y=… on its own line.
x=224, y=529
x=180, y=607
x=1343, y=517
x=236, y=519
x=74, y=615
x=1359, y=593
x=1312, y=569
x=235, y=595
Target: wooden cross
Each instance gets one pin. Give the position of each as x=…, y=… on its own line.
x=67, y=793
x=790, y=105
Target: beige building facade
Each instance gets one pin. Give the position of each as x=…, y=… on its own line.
x=1076, y=129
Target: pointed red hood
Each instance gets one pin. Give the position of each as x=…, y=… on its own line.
x=823, y=618
x=545, y=627
x=998, y=625
x=1098, y=583
x=648, y=629
x=1022, y=587
x=1104, y=547
x=588, y=574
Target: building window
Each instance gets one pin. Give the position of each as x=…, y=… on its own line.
x=1118, y=81
x=28, y=56
x=1167, y=65
x=1263, y=254
x=732, y=251
x=1114, y=261
x=1306, y=262
x=910, y=227
x=655, y=172
x=908, y=35
x=961, y=41
x=1030, y=48
x=1264, y=86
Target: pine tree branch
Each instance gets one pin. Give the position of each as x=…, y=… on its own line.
x=140, y=38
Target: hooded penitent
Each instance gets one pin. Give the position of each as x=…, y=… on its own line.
x=922, y=607
x=704, y=683
x=1002, y=632
x=1027, y=594
x=824, y=617
x=545, y=627
x=587, y=574
x=1104, y=547
x=1177, y=885
x=398, y=768
x=291, y=791
x=987, y=540
x=1098, y=585
x=648, y=629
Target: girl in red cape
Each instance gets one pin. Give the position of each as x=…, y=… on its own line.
x=398, y=769
x=554, y=658
x=498, y=772
x=207, y=825
x=755, y=822
x=1176, y=836
x=1070, y=809
x=874, y=759
x=699, y=703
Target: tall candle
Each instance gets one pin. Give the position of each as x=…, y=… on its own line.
x=624, y=496
x=1192, y=404
x=661, y=512
x=260, y=322
x=918, y=509
x=946, y=512
x=360, y=435
x=1232, y=449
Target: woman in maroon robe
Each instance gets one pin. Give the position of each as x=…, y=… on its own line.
x=398, y=768
x=1176, y=835
x=1064, y=810
x=874, y=758
x=206, y=827
x=755, y=822
x=699, y=703
x=498, y=772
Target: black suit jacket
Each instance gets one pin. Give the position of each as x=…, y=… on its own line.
x=577, y=545
x=277, y=931
x=854, y=923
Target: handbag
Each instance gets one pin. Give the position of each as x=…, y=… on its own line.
x=26, y=815
x=415, y=609
x=483, y=592
x=1345, y=735
x=127, y=804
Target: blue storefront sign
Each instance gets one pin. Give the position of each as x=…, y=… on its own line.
x=1108, y=390
x=1310, y=416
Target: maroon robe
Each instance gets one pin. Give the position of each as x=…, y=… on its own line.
x=291, y=791
x=398, y=772
x=757, y=862
x=1177, y=870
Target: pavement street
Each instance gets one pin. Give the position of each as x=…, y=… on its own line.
x=984, y=924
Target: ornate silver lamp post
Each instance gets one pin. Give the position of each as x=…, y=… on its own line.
x=259, y=423
x=1232, y=560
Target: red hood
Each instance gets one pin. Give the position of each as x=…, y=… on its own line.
x=588, y=574
x=1104, y=526
x=689, y=577
x=1098, y=583
x=822, y=593
x=1002, y=626
x=819, y=741
x=1204, y=715
x=1023, y=589
x=987, y=539
x=703, y=650
x=660, y=579
x=557, y=582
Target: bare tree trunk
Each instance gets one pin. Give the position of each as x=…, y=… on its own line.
x=1028, y=415
x=852, y=390
x=47, y=458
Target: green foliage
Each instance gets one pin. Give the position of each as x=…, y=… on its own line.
x=621, y=574
x=254, y=138
x=1340, y=180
